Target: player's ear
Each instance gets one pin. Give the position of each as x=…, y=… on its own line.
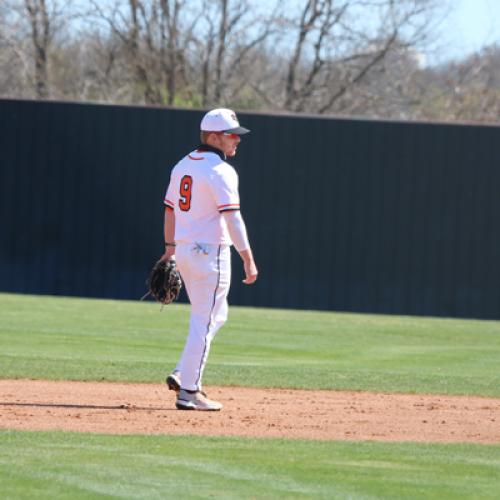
x=204, y=137
x=212, y=139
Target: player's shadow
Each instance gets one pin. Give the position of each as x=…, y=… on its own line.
x=125, y=407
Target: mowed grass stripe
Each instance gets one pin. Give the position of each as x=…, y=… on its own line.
x=67, y=465
x=84, y=339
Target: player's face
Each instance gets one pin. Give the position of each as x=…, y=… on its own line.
x=228, y=143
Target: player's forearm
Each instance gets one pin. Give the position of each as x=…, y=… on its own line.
x=247, y=257
x=169, y=225
x=238, y=233
x=169, y=234
x=237, y=230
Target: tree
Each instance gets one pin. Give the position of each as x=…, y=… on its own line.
x=467, y=90
x=230, y=35
x=349, y=57
x=41, y=36
x=30, y=31
x=154, y=36
x=338, y=45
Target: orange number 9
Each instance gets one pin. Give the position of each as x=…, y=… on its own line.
x=185, y=192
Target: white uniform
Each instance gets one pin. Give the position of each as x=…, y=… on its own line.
x=202, y=187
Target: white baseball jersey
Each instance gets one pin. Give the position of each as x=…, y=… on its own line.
x=202, y=186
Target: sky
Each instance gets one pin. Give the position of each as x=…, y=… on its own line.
x=471, y=25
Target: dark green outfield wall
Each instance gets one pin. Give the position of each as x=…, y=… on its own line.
x=344, y=215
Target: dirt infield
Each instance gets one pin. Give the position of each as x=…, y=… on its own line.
x=149, y=409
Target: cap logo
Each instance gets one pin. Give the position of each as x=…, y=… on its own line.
x=233, y=116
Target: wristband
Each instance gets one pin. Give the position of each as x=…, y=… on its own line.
x=170, y=244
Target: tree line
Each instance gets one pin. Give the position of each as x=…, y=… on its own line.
x=331, y=57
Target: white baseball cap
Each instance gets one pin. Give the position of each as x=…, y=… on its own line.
x=222, y=120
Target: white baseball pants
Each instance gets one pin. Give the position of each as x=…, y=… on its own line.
x=206, y=272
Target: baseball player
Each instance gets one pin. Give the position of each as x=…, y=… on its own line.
x=202, y=220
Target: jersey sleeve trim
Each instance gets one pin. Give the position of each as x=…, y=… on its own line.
x=168, y=203
x=225, y=208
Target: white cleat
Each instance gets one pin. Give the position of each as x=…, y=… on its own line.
x=196, y=400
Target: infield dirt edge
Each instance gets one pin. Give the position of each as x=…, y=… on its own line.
x=129, y=408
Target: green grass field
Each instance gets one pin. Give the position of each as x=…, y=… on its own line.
x=77, y=339
x=68, y=465
x=80, y=339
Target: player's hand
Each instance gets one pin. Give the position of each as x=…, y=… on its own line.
x=250, y=272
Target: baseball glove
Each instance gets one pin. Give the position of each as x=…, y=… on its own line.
x=164, y=282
